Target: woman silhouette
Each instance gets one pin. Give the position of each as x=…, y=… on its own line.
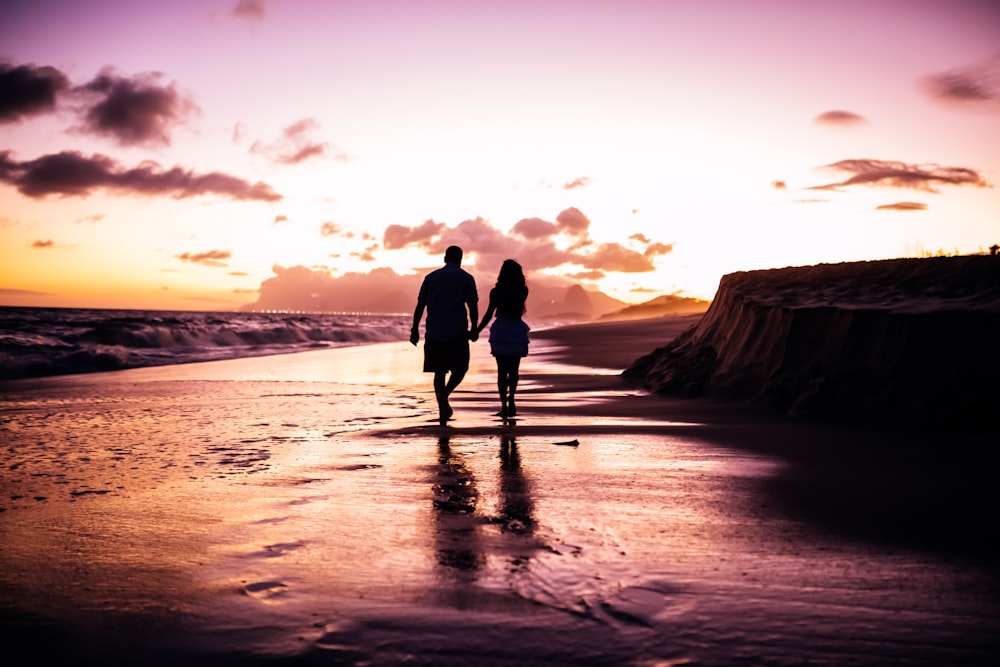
x=509, y=333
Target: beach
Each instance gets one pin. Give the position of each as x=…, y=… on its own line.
x=308, y=509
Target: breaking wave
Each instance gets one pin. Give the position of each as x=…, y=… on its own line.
x=36, y=342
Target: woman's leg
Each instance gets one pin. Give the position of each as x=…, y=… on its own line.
x=513, y=375
x=502, y=385
x=507, y=377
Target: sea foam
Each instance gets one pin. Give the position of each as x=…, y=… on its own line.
x=36, y=342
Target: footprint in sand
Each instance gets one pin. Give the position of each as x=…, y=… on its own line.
x=337, y=644
x=277, y=519
x=635, y=606
x=264, y=589
x=307, y=500
x=277, y=550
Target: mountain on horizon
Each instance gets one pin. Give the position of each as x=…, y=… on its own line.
x=665, y=304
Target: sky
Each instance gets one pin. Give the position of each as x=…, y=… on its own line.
x=181, y=155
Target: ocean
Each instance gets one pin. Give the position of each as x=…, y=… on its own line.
x=38, y=342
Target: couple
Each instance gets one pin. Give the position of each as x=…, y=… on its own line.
x=446, y=294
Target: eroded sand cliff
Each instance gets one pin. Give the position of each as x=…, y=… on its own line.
x=904, y=342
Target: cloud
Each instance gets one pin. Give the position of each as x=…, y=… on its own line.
x=366, y=255
x=535, y=228
x=902, y=175
x=398, y=236
x=475, y=234
x=239, y=132
x=532, y=241
x=655, y=249
x=8, y=291
x=492, y=247
x=977, y=85
x=295, y=145
x=47, y=243
x=97, y=217
x=902, y=206
x=581, y=182
x=840, y=118
x=329, y=229
x=253, y=10
x=279, y=219
x=570, y=221
x=779, y=185
x=134, y=111
x=70, y=173
x=303, y=154
x=27, y=90
x=304, y=288
x=615, y=257
x=209, y=258
x=573, y=221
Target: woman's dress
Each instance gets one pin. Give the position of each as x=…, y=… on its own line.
x=508, y=334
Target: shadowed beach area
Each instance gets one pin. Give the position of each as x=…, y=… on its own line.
x=307, y=509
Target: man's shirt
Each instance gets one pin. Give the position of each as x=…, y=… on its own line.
x=446, y=291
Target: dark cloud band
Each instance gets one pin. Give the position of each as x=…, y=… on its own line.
x=840, y=117
x=902, y=175
x=27, y=90
x=902, y=206
x=70, y=173
x=977, y=85
x=135, y=110
x=208, y=258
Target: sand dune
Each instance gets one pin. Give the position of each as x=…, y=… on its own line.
x=905, y=342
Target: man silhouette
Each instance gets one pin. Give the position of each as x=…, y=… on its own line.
x=452, y=303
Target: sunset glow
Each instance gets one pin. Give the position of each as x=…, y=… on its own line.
x=177, y=155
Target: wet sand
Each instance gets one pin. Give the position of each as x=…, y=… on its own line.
x=306, y=509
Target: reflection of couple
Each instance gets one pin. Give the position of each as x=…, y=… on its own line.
x=450, y=298
x=456, y=503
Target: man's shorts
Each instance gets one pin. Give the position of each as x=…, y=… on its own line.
x=441, y=356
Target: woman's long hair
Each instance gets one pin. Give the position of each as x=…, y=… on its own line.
x=511, y=290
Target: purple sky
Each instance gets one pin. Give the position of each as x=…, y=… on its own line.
x=179, y=154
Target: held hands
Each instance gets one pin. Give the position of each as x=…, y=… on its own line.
x=415, y=335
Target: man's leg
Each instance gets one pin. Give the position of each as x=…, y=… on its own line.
x=444, y=386
x=441, y=392
x=455, y=379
